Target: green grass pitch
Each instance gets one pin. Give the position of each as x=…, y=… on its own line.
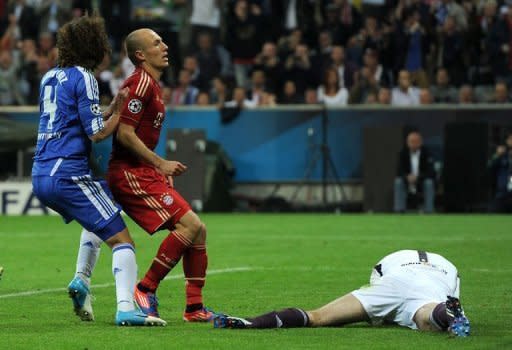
x=257, y=263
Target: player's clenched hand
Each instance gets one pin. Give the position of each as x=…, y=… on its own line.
x=171, y=168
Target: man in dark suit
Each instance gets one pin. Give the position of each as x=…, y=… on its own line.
x=500, y=167
x=415, y=174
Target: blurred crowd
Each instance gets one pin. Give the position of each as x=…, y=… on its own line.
x=250, y=53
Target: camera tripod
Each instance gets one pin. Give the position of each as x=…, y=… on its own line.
x=321, y=152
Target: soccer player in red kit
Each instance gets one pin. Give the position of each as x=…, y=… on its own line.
x=141, y=181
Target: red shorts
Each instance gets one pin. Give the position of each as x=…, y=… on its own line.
x=147, y=197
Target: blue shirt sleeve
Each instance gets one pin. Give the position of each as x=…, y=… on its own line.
x=88, y=102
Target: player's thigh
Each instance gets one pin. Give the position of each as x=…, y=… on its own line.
x=380, y=300
x=344, y=310
x=89, y=203
x=148, y=199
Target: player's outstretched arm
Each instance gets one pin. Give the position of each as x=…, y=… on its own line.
x=113, y=114
x=127, y=137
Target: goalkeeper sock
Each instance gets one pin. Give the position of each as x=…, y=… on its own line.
x=287, y=318
x=88, y=254
x=440, y=318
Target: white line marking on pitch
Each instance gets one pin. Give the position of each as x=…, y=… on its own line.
x=105, y=285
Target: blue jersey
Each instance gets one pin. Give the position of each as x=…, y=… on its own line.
x=69, y=114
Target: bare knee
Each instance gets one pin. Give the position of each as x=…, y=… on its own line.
x=191, y=229
x=122, y=237
x=201, y=237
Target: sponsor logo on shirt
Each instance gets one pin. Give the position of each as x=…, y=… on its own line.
x=157, y=122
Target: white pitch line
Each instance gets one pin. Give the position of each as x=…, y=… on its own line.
x=106, y=285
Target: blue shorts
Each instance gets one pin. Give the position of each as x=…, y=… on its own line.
x=82, y=199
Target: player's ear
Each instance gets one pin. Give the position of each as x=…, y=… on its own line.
x=140, y=56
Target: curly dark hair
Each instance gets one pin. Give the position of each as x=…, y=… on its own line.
x=83, y=42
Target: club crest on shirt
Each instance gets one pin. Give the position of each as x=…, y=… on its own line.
x=95, y=109
x=166, y=199
x=135, y=106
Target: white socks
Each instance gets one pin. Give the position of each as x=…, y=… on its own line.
x=124, y=268
x=88, y=254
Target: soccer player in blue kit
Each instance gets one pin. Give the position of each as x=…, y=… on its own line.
x=70, y=119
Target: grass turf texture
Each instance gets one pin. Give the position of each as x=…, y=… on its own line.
x=284, y=260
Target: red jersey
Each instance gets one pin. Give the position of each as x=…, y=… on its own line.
x=144, y=110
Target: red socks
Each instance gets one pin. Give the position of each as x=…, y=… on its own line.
x=169, y=254
x=195, y=262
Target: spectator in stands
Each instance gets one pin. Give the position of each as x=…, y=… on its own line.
x=382, y=75
x=46, y=47
x=442, y=91
x=52, y=15
x=384, y=96
x=365, y=85
x=243, y=39
x=25, y=19
x=203, y=99
x=167, y=96
x=218, y=91
x=415, y=174
x=289, y=95
x=287, y=44
x=331, y=93
x=371, y=34
x=269, y=62
x=450, y=51
x=268, y=99
x=412, y=47
x=118, y=16
x=500, y=167
x=405, y=94
x=191, y=64
x=80, y=7
x=444, y=8
x=257, y=89
x=213, y=60
x=28, y=71
x=345, y=69
x=297, y=14
x=184, y=93
x=466, y=94
x=298, y=68
x=350, y=18
x=239, y=100
x=9, y=87
x=495, y=42
x=501, y=94
x=206, y=17
x=310, y=97
x=425, y=97
x=332, y=24
x=371, y=98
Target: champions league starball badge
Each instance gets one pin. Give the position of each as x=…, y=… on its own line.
x=134, y=106
x=95, y=109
